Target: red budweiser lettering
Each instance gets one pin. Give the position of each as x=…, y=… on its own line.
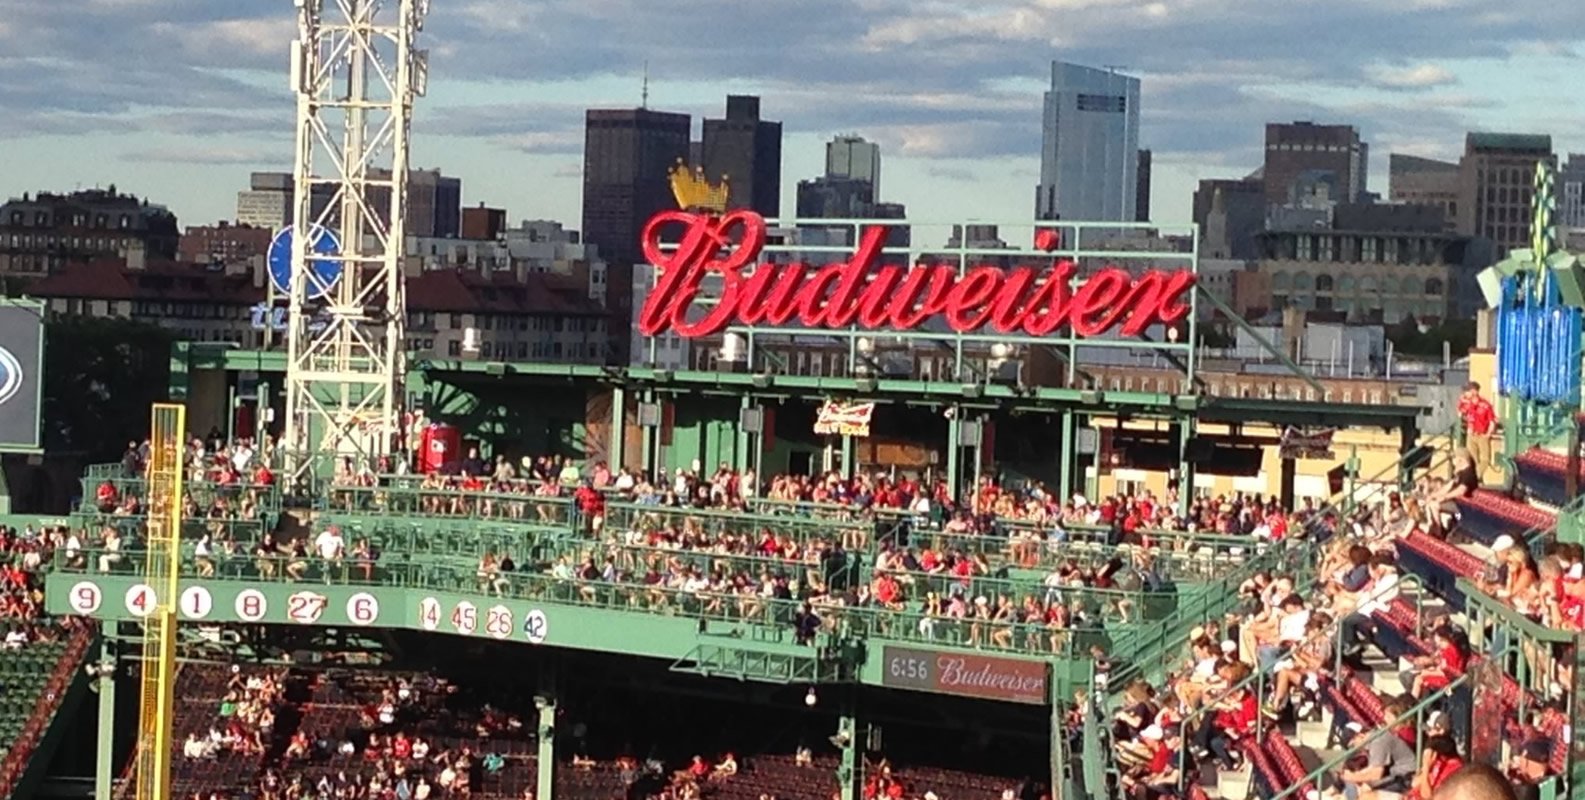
x=1022, y=300
x=999, y=678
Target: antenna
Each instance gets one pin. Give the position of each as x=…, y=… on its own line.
x=644, y=98
x=1114, y=68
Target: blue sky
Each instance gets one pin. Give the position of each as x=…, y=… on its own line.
x=179, y=99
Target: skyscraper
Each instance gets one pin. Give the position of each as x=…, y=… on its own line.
x=1424, y=181
x=1497, y=186
x=853, y=157
x=1571, y=192
x=1089, y=154
x=1142, y=188
x=627, y=157
x=1303, y=157
x=747, y=151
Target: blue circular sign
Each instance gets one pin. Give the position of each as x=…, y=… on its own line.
x=10, y=376
x=322, y=272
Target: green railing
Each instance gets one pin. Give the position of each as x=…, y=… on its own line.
x=465, y=577
x=1416, y=713
x=244, y=532
x=1169, y=638
x=203, y=493
x=102, y=471
x=1255, y=681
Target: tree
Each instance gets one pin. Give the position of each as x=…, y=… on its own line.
x=100, y=375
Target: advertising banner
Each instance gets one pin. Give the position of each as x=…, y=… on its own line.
x=21, y=373
x=844, y=419
x=966, y=674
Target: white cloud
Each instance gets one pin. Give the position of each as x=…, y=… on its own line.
x=1417, y=76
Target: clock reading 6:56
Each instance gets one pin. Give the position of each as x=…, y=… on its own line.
x=909, y=668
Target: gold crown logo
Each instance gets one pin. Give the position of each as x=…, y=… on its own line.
x=694, y=191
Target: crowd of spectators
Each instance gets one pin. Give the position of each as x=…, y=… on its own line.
x=1309, y=634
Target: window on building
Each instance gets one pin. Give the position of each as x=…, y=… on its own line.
x=1323, y=283
x=454, y=348
x=1131, y=488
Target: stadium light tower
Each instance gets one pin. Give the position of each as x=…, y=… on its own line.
x=356, y=75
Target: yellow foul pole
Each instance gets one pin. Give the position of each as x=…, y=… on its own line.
x=164, y=496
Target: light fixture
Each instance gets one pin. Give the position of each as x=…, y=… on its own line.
x=811, y=698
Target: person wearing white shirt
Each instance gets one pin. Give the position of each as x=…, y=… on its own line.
x=1378, y=596
x=331, y=547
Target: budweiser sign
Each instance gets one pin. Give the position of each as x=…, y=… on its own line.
x=1033, y=301
x=990, y=677
x=844, y=419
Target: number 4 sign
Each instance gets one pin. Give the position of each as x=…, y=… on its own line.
x=140, y=600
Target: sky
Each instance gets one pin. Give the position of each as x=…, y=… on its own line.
x=178, y=100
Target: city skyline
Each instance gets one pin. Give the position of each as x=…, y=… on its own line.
x=180, y=101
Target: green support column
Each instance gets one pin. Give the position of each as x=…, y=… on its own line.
x=648, y=454
x=954, y=431
x=105, y=752
x=1059, y=747
x=1185, y=466
x=850, y=772
x=1070, y=448
x=546, y=786
x=742, y=458
x=261, y=410
x=231, y=413
x=618, y=447
x=847, y=457
x=1092, y=477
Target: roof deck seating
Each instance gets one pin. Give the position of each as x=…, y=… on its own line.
x=1439, y=565
x=1545, y=475
x=1398, y=631
x=1486, y=515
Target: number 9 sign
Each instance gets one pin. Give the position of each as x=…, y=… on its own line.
x=363, y=609
x=86, y=598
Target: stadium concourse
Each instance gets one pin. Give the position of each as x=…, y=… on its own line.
x=1365, y=649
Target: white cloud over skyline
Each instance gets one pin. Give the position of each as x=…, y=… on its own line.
x=119, y=90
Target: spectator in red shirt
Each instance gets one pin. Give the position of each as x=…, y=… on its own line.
x=1480, y=420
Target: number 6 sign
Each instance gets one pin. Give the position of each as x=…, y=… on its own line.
x=363, y=609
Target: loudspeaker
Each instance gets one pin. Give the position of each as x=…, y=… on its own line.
x=649, y=415
x=1490, y=282
x=751, y=420
x=969, y=433
x=1570, y=278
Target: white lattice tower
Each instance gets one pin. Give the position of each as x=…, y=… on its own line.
x=356, y=74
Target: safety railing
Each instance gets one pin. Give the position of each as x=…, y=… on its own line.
x=637, y=597
x=827, y=570
x=205, y=494
x=1416, y=714
x=1168, y=639
x=243, y=532
x=1256, y=681
x=114, y=469
x=1496, y=625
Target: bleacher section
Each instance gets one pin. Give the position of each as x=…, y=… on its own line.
x=34, y=681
